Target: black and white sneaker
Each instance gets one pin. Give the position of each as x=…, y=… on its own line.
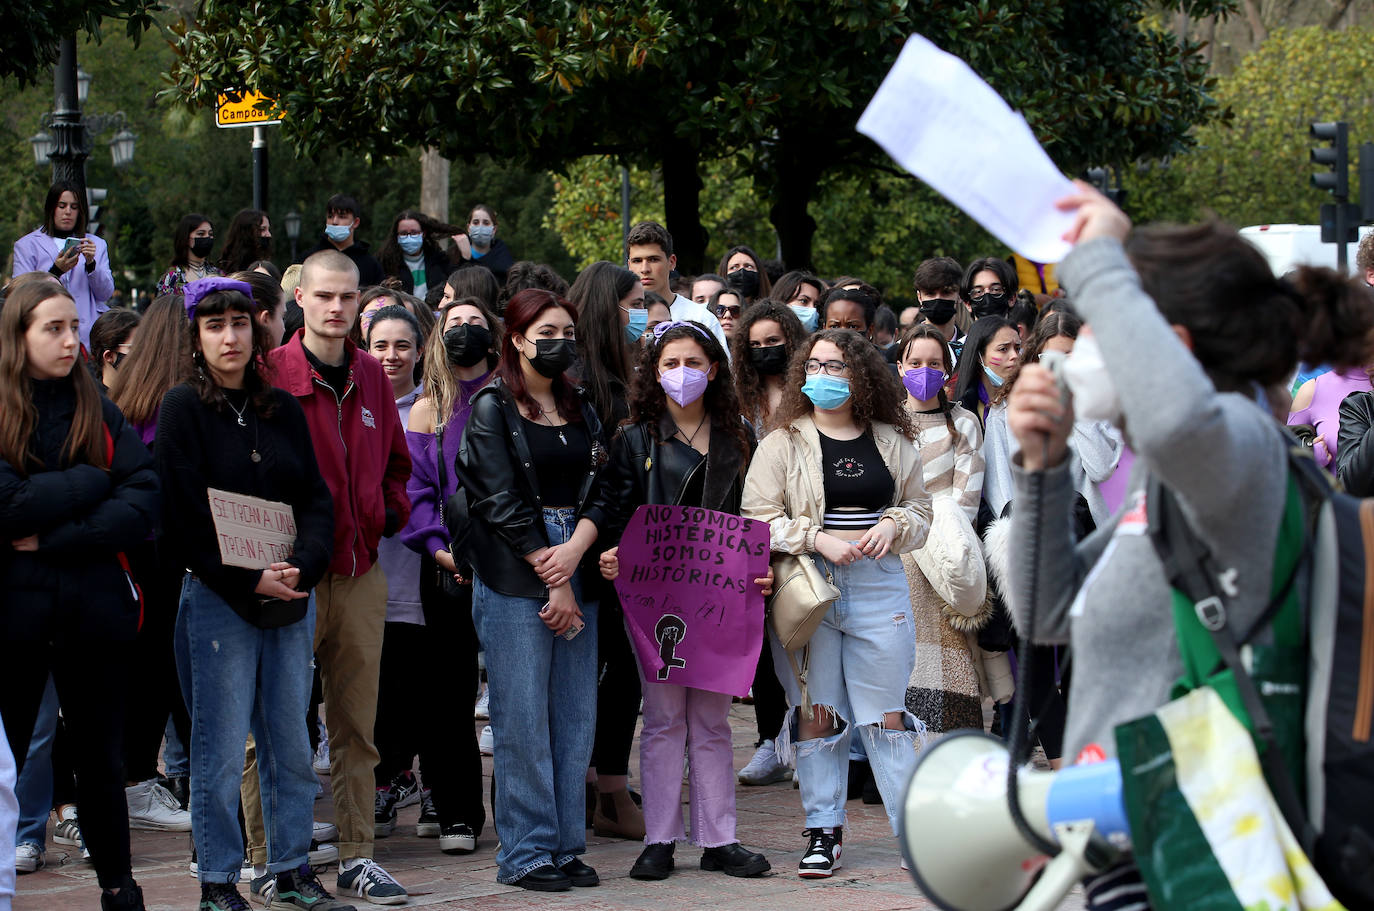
x=457, y=839
x=427, y=826
x=384, y=813
x=406, y=787
x=822, y=856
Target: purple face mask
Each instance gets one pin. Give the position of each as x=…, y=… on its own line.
x=684, y=385
x=923, y=383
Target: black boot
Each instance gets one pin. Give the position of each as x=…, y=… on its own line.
x=130, y=897
x=655, y=862
x=734, y=860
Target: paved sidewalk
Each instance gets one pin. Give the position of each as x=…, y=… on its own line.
x=770, y=820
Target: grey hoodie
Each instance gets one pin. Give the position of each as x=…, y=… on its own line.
x=1219, y=452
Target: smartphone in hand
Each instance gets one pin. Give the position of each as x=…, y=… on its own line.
x=71, y=244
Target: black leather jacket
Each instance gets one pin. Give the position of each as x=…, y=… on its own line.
x=643, y=470
x=1355, y=444
x=495, y=468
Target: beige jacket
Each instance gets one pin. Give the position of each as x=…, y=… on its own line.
x=784, y=487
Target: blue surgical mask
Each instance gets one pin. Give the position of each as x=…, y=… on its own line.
x=410, y=244
x=828, y=392
x=809, y=316
x=639, y=321
x=481, y=235
x=337, y=233
x=993, y=378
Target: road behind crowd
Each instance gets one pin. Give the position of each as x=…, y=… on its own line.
x=770, y=820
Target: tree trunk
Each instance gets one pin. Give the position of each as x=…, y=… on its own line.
x=682, y=206
x=795, y=174
x=434, y=170
x=1258, y=33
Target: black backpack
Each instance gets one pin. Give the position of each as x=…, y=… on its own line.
x=1334, y=577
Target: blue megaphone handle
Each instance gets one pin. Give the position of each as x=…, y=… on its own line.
x=1089, y=792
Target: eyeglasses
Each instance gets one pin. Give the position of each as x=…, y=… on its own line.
x=832, y=368
x=977, y=292
x=731, y=310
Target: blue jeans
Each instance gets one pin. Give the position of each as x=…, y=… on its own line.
x=861, y=658
x=174, y=754
x=238, y=678
x=34, y=788
x=543, y=715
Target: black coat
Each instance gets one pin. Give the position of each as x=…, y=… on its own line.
x=496, y=470
x=644, y=470
x=499, y=259
x=1355, y=444
x=73, y=587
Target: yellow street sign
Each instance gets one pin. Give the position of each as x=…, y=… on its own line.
x=240, y=109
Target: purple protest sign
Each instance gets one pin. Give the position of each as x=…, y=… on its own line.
x=686, y=583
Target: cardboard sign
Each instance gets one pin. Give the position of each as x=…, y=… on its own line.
x=253, y=533
x=686, y=582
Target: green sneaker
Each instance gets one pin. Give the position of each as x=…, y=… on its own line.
x=221, y=897
x=299, y=889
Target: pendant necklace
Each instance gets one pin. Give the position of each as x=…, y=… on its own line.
x=239, y=413
x=545, y=415
x=689, y=439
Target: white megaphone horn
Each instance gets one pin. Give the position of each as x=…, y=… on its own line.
x=965, y=850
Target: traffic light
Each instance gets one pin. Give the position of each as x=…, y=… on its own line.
x=94, y=197
x=1102, y=179
x=1335, y=157
x=1366, y=170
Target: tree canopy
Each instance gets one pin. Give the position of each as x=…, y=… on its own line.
x=669, y=83
x=28, y=43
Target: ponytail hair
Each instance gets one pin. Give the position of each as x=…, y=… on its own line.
x=1247, y=326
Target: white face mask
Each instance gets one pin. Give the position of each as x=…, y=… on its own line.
x=1094, y=394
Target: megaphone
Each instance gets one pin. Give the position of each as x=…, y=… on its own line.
x=964, y=849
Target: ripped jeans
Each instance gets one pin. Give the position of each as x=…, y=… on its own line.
x=861, y=657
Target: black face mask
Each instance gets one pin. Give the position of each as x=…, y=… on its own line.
x=201, y=246
x=769, y=361
x=745, y=282
x=939, y=312
x=264, y=243
x=467, y=345
x=553, y=356
x=990, y=305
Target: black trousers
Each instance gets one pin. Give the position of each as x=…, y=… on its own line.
x=770, y=702
x=424, y=670
x=91, y=686
x=618, y=689
x=154, y=687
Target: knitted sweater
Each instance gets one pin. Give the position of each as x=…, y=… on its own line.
x=952, y=463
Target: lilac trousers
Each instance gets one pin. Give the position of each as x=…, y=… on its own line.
x=678, y=720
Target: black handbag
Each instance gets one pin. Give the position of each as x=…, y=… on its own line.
x=453, y=515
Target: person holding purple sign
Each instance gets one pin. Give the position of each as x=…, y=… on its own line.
x=841, y=480
x=684, y=444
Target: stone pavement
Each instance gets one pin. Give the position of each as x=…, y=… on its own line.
x=770, y=820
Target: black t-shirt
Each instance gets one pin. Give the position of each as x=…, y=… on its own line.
x=560, y=455
x=336, y=377
x=858, y=486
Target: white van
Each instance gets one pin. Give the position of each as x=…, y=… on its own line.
x=1289, y=246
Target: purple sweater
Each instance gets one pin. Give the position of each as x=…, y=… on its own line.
x=424, y=532
x=36, y=252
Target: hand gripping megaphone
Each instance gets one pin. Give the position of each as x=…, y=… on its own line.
x=965, y=850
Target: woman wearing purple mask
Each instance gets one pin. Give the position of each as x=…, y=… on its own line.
x=684, y=443
x=951, y=674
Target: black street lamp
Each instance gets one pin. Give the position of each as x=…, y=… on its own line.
x=292, y=222
x=66, y=138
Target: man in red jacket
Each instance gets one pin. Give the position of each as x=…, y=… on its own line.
x=361, y=449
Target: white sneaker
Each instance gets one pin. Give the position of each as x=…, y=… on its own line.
x=321, y=760
x=27, y=858
x=152, y=807
x=765, y=767
x=482, y=711
x=324, y=831
x=486, y=743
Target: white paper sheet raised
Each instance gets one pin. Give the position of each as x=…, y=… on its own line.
x=941, y=122
x=253, y=533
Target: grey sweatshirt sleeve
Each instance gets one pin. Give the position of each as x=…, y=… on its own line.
x=1098, y=445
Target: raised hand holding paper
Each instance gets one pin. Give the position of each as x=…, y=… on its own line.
x=1005, y=181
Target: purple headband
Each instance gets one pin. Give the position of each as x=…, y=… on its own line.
x=674, y=324
x=194, y=291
